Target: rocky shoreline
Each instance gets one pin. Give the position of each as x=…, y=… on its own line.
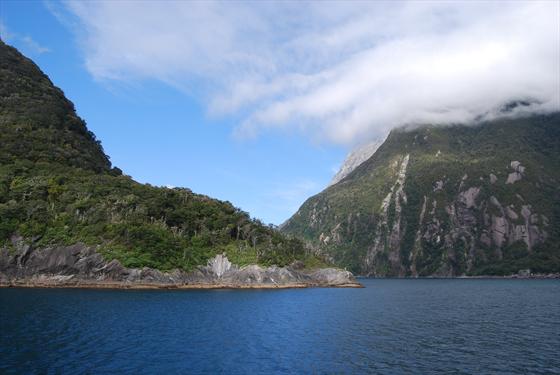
x=485, y=277
x=81, y=266
x=520, y=277
x=51, y=283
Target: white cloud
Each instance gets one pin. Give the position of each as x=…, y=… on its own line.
x=33, y=45
x=4, y=32
x=29, y=44
x=336, y=71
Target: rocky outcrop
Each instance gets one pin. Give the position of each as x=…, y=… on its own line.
x=507, y=226
x=219, y=265
x=82, y=266
x=517, y=174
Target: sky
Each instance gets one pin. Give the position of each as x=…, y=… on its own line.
x=257, y=103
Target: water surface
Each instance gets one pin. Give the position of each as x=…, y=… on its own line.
x=390, y=327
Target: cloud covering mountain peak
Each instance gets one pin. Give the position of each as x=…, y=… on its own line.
x=341, y=72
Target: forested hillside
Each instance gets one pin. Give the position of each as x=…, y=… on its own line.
x=57, y=187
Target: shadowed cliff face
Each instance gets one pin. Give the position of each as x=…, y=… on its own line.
x=446, y=201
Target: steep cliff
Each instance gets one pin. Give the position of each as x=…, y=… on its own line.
x=447, y=201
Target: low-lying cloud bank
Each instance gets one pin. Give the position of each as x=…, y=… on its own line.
x=334, y=71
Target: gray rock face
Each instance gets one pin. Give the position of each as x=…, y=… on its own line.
x=397, y=197
x=354, y=160
x=331, y=276
x=517, y=174
x=506, y=228
x=438, y=185
x=470, y=219
x=468, y=197
x=219, y=265
x=81, y=265
x=499, y=230
x=511, y=213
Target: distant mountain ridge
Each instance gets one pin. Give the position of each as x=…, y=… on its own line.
x=446, y=201
x=354, y=159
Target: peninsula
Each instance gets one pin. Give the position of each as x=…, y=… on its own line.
x=68, y=218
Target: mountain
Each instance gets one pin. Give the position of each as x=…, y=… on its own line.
x=58, y=189
x=354, y=159
x=38, y=123
x=446, y=201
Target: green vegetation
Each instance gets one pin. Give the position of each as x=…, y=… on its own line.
x=542, y=259
x=58, y=187
x=459, y=157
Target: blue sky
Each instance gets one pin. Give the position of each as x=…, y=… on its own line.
x=258, y=102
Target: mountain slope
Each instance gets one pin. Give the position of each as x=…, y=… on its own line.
x=57, y=188
x=354, y=159
x=38, y=123
x=447, y=201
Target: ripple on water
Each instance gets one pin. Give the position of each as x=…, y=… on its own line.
x=390, y=327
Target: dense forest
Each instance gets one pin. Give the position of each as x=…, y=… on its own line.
x=57, y=186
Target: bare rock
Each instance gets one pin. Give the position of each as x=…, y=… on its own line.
x=81, y=265
x=513, y=178
x=511, y=213
x=354, y=159
x=219, y=265
x=332, y=276
x=499, y=230
x=517, y=173
x=468, y=197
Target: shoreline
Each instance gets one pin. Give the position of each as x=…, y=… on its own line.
x=81, y=266
x=158, y=286
x=486, y=277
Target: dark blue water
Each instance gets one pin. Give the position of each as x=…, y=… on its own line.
x=390, y=327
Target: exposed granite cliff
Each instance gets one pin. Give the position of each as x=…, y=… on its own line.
x=446, y=201
x=82, y=266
